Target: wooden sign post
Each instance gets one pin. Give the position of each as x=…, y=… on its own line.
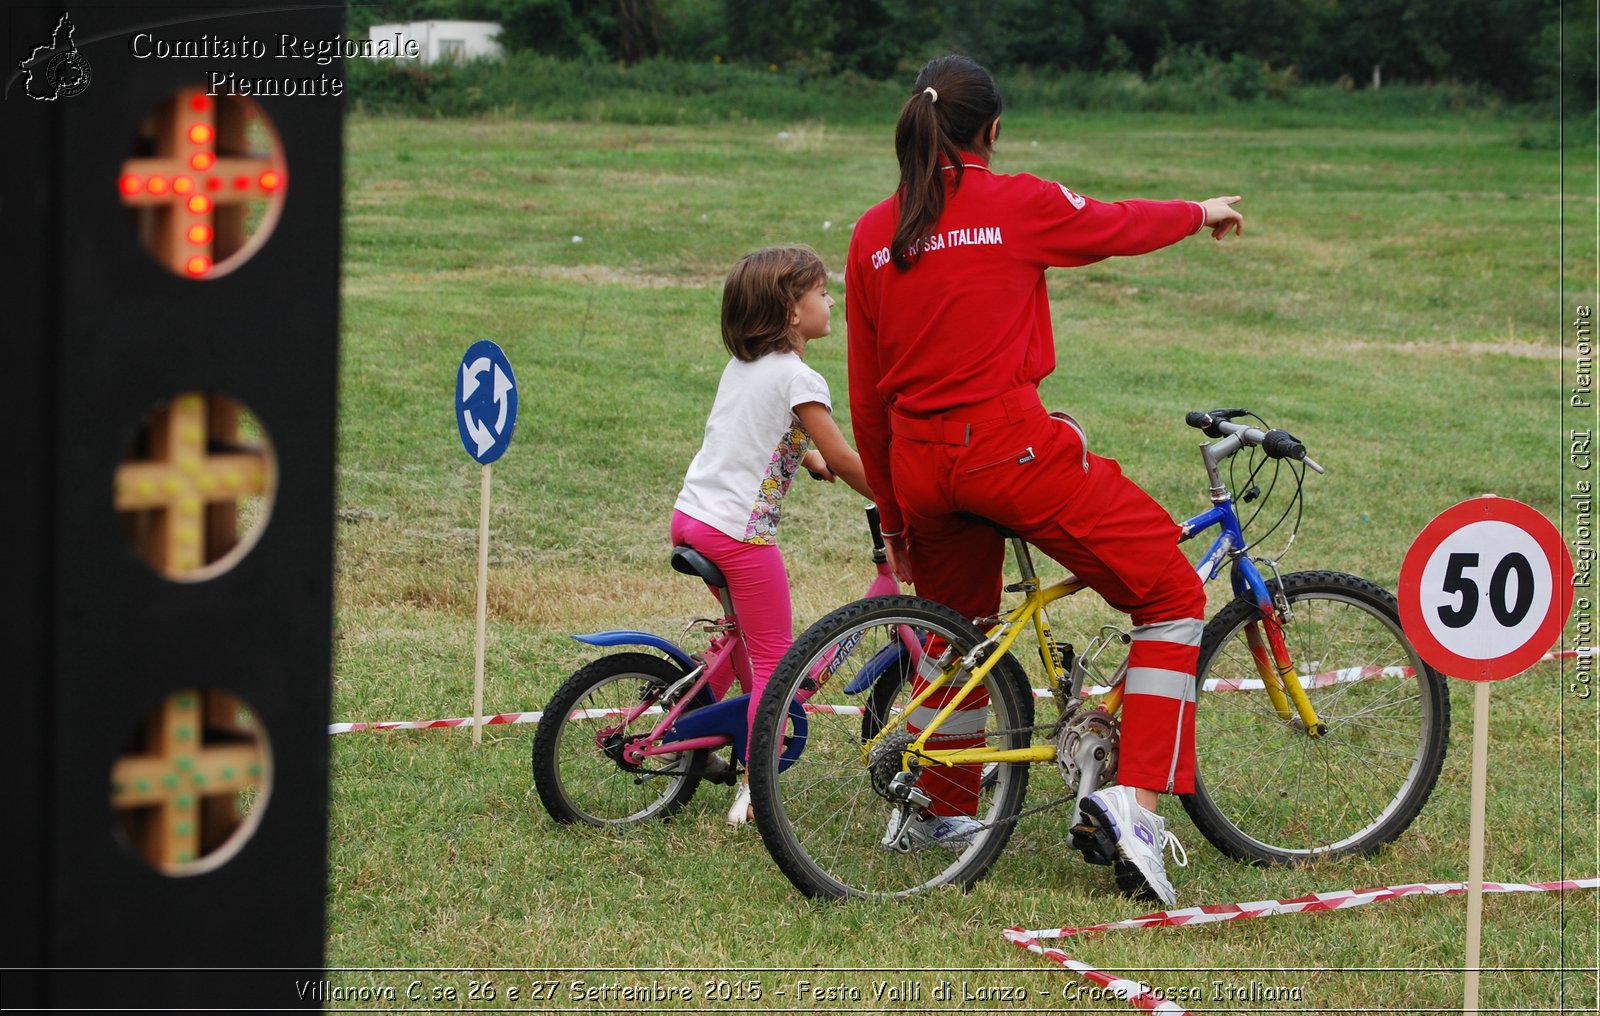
x=486, y=416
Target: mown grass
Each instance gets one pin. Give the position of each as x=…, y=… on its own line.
x=1398, y=300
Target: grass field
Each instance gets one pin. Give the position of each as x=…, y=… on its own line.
x=1400, y=300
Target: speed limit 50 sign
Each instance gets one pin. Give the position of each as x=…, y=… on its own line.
x=1485, y=589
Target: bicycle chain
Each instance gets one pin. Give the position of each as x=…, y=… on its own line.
x=1053, y=728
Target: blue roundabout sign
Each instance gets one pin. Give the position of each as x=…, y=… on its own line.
x=486, y=402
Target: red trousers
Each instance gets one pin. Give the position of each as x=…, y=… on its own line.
x=1007, y=462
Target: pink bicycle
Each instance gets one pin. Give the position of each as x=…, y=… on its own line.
x=630, y=736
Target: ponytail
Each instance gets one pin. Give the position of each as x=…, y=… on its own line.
x=952, y=103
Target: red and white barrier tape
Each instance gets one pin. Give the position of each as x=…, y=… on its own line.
x=1321, y=680
x=1344, y=675
x=1142, y=997
x=463, y=721
x=577, y=714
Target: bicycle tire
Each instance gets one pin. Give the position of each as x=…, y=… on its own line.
x=820, y=816
x=577, y=781
x=1268, y=793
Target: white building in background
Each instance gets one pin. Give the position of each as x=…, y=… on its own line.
x=444, y=41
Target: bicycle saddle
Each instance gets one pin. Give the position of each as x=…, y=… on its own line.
x=991, y=523
x=691, y=562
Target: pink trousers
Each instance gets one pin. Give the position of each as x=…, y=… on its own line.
x=759, y=585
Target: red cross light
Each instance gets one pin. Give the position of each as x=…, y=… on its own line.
x=194, y=225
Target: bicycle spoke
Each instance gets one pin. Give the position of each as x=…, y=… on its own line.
x=822, y=816
x=578, y=780
x=1269, y=791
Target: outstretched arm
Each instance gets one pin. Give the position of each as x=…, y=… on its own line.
x=1069, y=229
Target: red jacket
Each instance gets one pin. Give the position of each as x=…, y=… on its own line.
x=971, y=319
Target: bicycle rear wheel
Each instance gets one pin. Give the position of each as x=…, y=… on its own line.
x=577, y=749
x=1269, y=793
x=824, y=817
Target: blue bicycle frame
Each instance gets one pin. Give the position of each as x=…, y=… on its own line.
x=1229, y=545
x=1273, y=660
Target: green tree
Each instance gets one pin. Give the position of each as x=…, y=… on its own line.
x=1149, y=29
x=692, y=29
x=1280, y=32
x=1564, y=57
x=1043, y=33
x=1491, y=42
x=869, y=36
x=625, y=30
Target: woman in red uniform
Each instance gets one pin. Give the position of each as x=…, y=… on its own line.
x=949, y=337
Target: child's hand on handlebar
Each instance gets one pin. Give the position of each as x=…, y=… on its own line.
x=817, y=466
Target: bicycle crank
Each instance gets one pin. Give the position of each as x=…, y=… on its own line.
x=1086, y=751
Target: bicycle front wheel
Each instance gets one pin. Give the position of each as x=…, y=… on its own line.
x=578, y=765
x=825, y=817
x=1266, y=790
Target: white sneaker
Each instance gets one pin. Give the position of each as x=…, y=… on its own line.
x=952, y=832
x=739, y=813
x=1139, y=837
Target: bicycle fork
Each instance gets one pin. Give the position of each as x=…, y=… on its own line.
x=1278, y=674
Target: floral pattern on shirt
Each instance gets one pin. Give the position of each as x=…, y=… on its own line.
x=763, y=525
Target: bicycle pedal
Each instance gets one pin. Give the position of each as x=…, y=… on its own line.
x=718, y=770
x=1097, y=846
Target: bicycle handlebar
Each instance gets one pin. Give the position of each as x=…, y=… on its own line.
x=1212, y=422
x=1278, y=444
x=1282, y=444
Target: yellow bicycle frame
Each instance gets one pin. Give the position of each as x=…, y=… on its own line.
x=999, y=639
x=1282, y=683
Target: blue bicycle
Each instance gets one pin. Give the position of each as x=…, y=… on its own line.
x=1320, y=731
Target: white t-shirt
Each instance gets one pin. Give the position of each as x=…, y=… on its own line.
x=752, y=446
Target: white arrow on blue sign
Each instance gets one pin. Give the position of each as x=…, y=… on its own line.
x=486, y=402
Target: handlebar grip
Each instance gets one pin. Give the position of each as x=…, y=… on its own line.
x=873, y=527
x=1209, y=421
x=1280, y=444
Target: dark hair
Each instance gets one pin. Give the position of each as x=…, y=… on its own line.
x=760, y=292
x=930, y=135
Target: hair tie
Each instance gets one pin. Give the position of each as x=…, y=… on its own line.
x=933, y=93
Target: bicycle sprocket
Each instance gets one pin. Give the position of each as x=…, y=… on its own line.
x=886, y=762
x=1088, y=741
